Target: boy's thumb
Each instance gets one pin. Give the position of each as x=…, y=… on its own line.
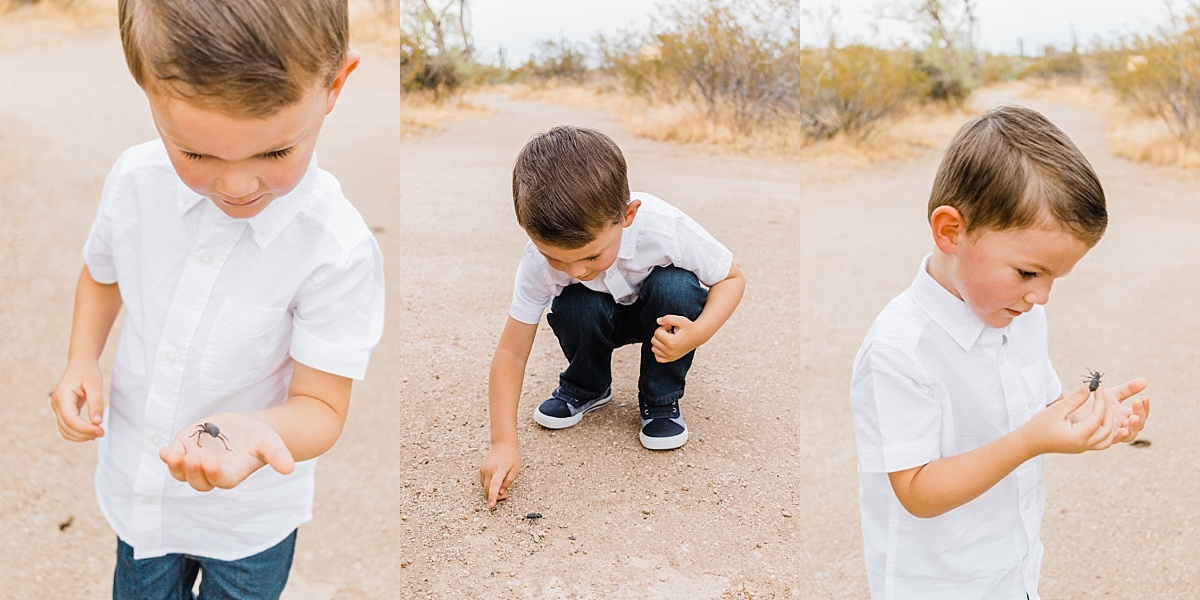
x=276, y=454
x=95, y=405
x=1077, y=399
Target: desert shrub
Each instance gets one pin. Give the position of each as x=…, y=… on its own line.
x=742, y=60
x=852, y=89
x=1055, y=65
x=994, y=68
x=555, y=60
x=1159, y=74
x=435, y=49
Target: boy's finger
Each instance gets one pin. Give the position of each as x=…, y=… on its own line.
x=193, y=469
x=172, y=455
x=493, y=489
x=1130, y=388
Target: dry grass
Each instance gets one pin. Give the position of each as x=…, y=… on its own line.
x=54, y=18
x=375, y=22
x=371, y=21
x=1133, y=136
x=687, y=122
x=419, y=114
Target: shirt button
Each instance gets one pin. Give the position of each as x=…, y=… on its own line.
x=156, y=440
x=170, y=357
x=1028, y=503
x=147, y=500
x=206, y=258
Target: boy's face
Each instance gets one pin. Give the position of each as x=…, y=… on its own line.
x=242, y=164
x=1002, y=274
x=594, y=258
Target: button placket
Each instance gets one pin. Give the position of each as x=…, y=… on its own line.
x=165, y=381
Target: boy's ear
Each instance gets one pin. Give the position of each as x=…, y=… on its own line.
x=339, y=81
x=948, y=227
x=630, y=212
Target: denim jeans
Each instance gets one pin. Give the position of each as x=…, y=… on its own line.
x=258, y=577
x=590, y=324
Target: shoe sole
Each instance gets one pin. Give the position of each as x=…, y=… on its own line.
x=550, y=422
x=663, y=443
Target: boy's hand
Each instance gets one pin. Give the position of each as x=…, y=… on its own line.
x=1069, y=427
x=674, y=338
x=203, y=461
x=1131, y=417
x=498, y=471
x=81, y=384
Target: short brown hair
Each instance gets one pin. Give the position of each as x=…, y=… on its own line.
x=569, y=183
x=1011, y=168
x=243, y=57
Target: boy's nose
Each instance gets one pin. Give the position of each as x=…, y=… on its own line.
x=1038, y=295
x=236, y=185
x=577, y=271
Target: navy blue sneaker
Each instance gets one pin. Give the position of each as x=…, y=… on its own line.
x=562, y=410
x=662, y=426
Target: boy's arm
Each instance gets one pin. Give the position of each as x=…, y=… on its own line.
x=944, y=484
x=303, y=427
x=503, y=462
x=677, y=335
x=96, y=309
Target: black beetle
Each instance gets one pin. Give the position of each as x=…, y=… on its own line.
x=1093, y=379
x=533, y=515
x=210, y=429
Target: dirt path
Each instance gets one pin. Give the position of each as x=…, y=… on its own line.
x=761, y=503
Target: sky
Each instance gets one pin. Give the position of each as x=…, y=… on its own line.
x=518, y=25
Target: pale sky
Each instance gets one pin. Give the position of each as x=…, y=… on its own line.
x=518, y=25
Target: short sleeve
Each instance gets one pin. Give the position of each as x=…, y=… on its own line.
x=699, y=252
x=533, y=290
x=897, y=416
x=339, y=317
x=98, y=249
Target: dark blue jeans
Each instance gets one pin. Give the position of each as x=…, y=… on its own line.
x=590, y=324
x=258, y=577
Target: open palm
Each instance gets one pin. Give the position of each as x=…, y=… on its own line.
x=223, y=456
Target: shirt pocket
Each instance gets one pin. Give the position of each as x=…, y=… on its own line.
x=246, y=344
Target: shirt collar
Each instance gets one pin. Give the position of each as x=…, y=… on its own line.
x=267, y=224
x=946, y=309
x=629, y=236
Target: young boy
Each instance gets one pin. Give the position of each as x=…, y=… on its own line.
x=953, y=393
x=253, y=293
x=614, y=268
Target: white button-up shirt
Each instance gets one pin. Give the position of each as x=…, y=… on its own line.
x=931, y=380
x=660, y=235
x=216, y=309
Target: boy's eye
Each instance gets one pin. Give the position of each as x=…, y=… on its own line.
x=278, y=153
x=1026, y=274
x=190, y=155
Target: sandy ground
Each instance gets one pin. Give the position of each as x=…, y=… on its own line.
x=761, y=503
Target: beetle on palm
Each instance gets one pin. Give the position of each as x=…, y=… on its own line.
x=212, y=430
